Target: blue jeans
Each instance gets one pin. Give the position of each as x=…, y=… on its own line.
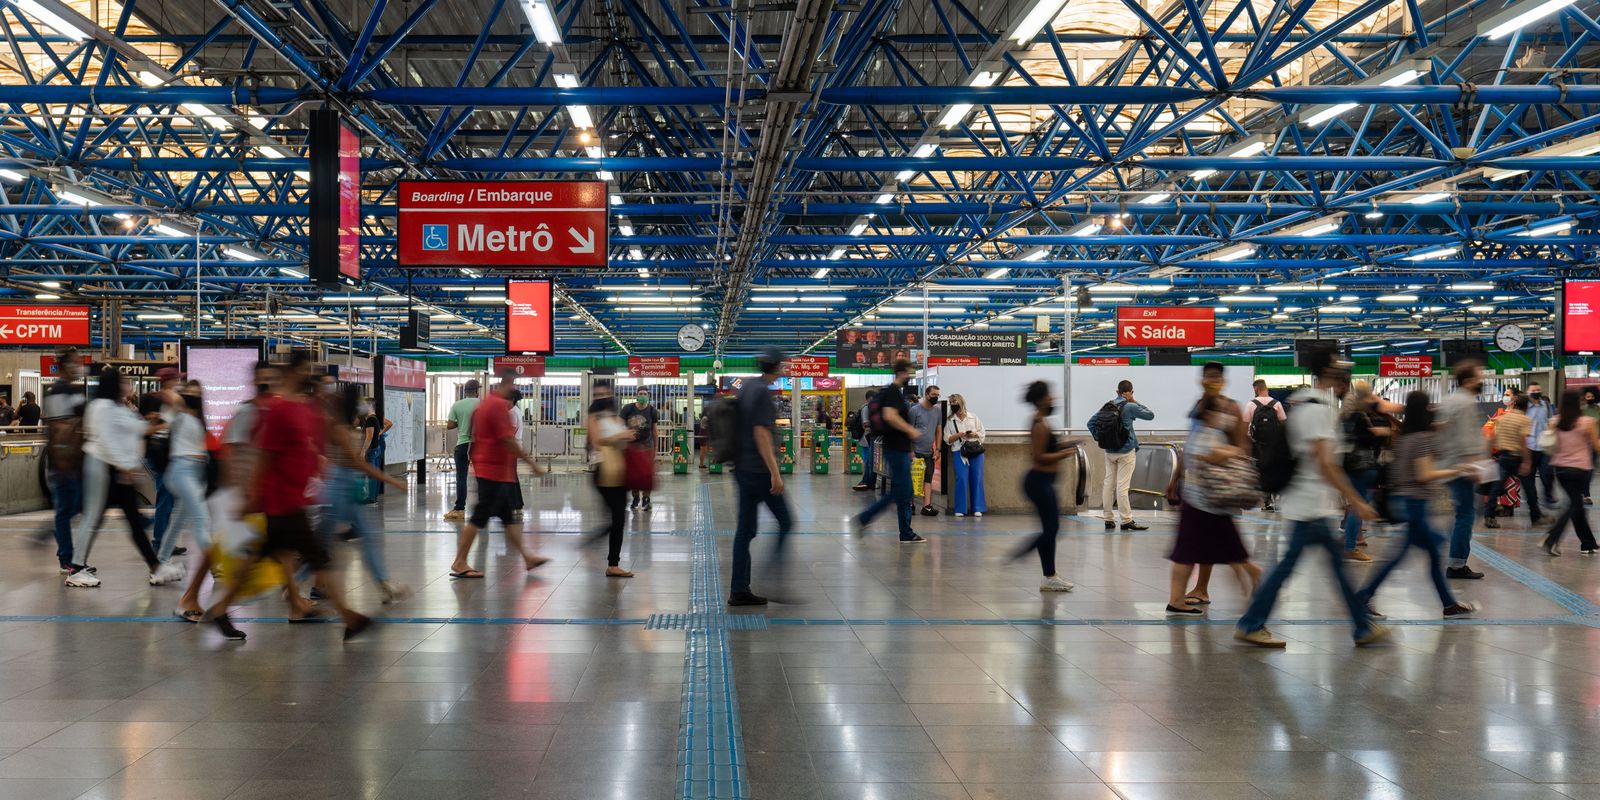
x=66, y=492
x=463, y=464
x=869, y=474
x=969, y=481
x=898, y=463
x=1419, y=534
x=185, y=480
x=755, y=490
x=1463, y=493
x=339, y=497
x=1362, y=481
x=163, y=517
x=1306, y=533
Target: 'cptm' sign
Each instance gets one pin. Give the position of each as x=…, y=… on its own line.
x=44, y=325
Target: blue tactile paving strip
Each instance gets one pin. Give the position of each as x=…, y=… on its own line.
x=1548, y=589
x=710, y=758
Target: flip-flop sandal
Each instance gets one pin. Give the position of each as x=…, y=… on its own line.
x=1195, y=601
x=309, y=618
x=538, y=561
x=193, y=617
x=467, y=574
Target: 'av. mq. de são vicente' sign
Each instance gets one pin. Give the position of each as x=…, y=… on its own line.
x=502, y=223
x=1166, y=326
x=806, y=366
x=44, y=325
x=1405, y=366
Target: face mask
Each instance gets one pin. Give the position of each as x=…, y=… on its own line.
x=643, y=401
x=1212, y=387
x=1050, y=409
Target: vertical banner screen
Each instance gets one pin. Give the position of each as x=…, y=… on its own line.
x=1580, y=317
x=227, y=370
x=530, y=324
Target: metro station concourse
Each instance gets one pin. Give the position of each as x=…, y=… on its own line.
x=799, y=400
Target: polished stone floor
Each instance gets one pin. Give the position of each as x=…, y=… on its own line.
x=935, y=671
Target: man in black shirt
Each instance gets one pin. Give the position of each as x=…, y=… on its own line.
x=757, y=471
x=28, y=413
x=897, y=434
x=642, y=418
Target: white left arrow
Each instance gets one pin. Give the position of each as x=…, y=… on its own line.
x=585, y=245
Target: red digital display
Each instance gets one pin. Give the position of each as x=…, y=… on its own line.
x=44, y=325
x=349, y=203
x=530, y=319
x=1166, y=326
x=1580, y=317
x=404, y=373
x=502, y=224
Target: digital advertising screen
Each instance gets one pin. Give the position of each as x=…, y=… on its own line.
x=334, y=254
x=349, y=203
x=227, y=370
x=530, y=322
x=1580, y=317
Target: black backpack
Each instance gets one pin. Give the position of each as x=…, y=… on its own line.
x=854, y=427
x=1275, y=459
x=722, y=430
x=1107, y=429
x=875, y=424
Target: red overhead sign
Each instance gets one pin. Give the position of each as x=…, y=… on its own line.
x=1405, y=366
x=502, y=224
x=653, y=366
x=530, y=318
x=50, y=367
x=807, y=366
x=953, y=361
x=1166, y=326
x=1580, y=316
x=44, y=325
x=1103, y=361
x=525, y=366
x=404, y=373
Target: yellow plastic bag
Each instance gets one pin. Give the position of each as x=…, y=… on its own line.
x=233, y=543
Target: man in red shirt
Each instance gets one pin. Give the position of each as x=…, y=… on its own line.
x=495, y=453
x=289, y=442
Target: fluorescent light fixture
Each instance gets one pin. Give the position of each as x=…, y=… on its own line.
x=1086, y=229
x=46, y=296
x=1553, y=227
x=625, y=229
x=158, y=316
x=997, y=273
x=50, y=284
x=543, y=21
x=1135, y=288
x=1481, y=309
x=1041, y=14
x=1374, y=213
x=823, y=298
x=594, y=151
x=1318, y=230
x=1280, y=317
x=1404, y=76
x=270, y=152
x=566, y=80
x=1520, y=16
x=858, y=228
x=204, y=112
x=636, y=253
x=494, y=288
x=917, y=309
x=77, y=199
x=1472, y=287
x=1244, y=150
x=835, y=254
x=236, y=253
x=259, y=122
x=1152, y=199
x=924, y=150
x=487, y=298
x=1236, y=254
x=1435, y=253
x=604, y=175
x=616, y=199
x=1248, y=298
x=1037, y=255
x=12, y=175
x=1397, y=298
x=822, y=272
x=291, y=272
x=954, y=115
x=149, y=78
x=51, y=19
x=904, y=175
x=1234, y=325
x=886, y=197
x=1430, y=197
x=581, y=117
x=1581, y=146
x=168, y=230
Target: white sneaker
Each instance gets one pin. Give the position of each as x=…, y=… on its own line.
x=83, y=579
x=960, y=514
x=394, y=592
x=977, y=513
x=165, y=574
x=1055, y=583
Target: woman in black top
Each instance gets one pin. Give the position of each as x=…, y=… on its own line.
x=1040, y=484
x=1365, y=432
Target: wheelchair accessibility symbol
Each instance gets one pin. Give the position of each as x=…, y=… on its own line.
x=436, y=237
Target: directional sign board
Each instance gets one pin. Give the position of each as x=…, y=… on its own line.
x=524, y=366
x=1405, y=366
x=502, y=224
x=653, y=366
x=807, y=366
x=1166, y=326
x=44, y=325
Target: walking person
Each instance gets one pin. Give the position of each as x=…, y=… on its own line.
x=1365, y=432
x=289, y=442
x=1207, y=533
x=64, y=405
x=495, y=453
x=861, y=419
x=158, y=450
x=375, y=438
x=1591, y=409
x=1121, y=454
x=1461, y=443
x=965, y=433
x=925, y=417
x=1541, y=475
x=607, y=437
x=1266, y=417
x=186, y=473
x=1510, y=447
x=460, y=421
x=1046, y=453
x=113, y=459
x=759, y=482
x=340, y=483
x=895, y=435
x=642, y=418
x=1573, y=459
x=1311, y=502
x=1412, y=473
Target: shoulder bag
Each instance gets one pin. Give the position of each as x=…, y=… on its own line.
x=1231, y=484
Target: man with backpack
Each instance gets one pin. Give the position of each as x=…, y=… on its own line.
x=1311, y=502
x=63, y=414
x=891, y=423
x=1267, y=419
x=863, y=435
x=756, y=470
x=1112, y=429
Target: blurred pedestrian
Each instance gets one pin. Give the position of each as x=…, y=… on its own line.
x=607, y=437
x=1207, y=531
x=1046, y=452
x=760, y=483
x=1573, y=459
x=460, y=421
x=897, y=436
x=1461, y=443
x=64, y=406
x=345, y=468
x=495, y=453
x=1365, y=432
x=642, y=417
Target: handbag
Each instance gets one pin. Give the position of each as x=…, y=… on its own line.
x=1547, y=439
x=971, y=450
x=610, y=468
x=1230, y=484
x=1484, y=470
x=640, y=475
